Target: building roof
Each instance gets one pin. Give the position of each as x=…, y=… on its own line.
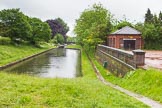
x=127, y=30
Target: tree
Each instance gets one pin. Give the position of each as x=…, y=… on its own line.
x=3, y=29
x=149, y=32
x=93, y=26
x=160, y=27
x=40, y=31
x=58, y=26
x=152, y=31
x=122, y=24
x=15, y=24
x=156, y=21
x=151, y=36
x=148, y=17
x=139, y=26
x=71, y=39
x=160, y=18
x=64, y=26
x=58, y=39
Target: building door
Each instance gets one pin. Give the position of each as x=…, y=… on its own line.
x=129, y=44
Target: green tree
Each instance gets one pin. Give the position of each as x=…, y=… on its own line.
x=71, y=39
x=16, y=24
x=59, y=39
x=160, y=26
x=148, y=16
x=139, y=26
x=40, y=31
x=3, y=29
x=149, y=32
x=160, y=18
x=152, y=31
x=156, y=21
x=93, y=26
x=151, y=35
x=122, y=24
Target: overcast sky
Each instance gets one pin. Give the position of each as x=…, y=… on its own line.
x=69, y=10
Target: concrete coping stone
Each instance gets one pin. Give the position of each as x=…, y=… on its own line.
x=115, y=49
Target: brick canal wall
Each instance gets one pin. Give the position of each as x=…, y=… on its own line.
x=118, y=61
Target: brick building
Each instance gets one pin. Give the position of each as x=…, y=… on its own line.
x=126, y=38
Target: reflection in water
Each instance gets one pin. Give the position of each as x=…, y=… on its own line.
x=62, y=63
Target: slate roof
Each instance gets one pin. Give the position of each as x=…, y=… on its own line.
x=127, y=30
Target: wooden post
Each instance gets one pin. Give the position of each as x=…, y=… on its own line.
x=139, y=57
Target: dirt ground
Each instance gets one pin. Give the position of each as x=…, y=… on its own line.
x=153, y=59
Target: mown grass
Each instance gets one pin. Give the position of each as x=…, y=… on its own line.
x=83, y=92
x=10, y=53
x=145, y=82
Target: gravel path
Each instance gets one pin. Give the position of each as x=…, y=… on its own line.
x=153, y=59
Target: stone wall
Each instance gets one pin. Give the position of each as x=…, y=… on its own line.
x=118, y=61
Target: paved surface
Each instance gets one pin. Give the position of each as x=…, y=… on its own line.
x=153, y=59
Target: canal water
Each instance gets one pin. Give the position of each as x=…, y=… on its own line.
x=60, y=63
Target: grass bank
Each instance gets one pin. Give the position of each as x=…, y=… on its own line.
x=83, y=92
x=10, y=53
x=145, y=82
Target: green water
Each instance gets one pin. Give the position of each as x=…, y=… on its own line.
x=61, y=63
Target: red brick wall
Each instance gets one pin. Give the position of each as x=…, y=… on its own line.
x=119, y=40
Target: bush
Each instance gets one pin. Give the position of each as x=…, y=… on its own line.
x=58, y=39
x=4, y=40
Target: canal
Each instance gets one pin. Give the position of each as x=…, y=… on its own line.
x=56, y=63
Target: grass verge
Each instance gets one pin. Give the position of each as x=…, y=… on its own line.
x=145, y=82
x=83, y=92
